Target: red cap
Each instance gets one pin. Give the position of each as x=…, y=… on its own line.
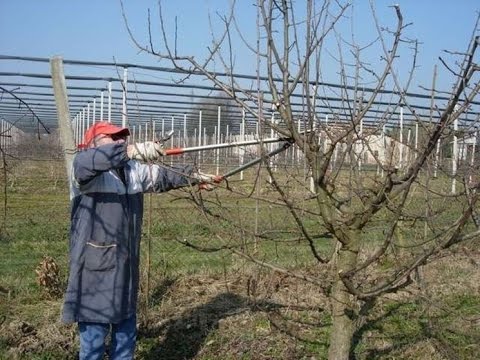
x=102, y=128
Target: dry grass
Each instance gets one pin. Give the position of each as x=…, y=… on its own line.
x=259, y=315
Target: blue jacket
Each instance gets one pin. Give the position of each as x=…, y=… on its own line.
x=106, y=220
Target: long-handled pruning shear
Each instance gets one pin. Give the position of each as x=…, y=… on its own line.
x=285, y=144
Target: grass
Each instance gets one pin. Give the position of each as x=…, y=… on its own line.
x=206, y=302
x=404, y=325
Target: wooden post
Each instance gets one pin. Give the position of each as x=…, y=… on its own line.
x=63, y=112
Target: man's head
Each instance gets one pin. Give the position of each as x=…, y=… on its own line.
x=102, y=133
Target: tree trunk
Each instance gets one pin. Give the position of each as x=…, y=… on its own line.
x=343, y=323
x=343, y=310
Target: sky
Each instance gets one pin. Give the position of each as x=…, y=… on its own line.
x=95, y=30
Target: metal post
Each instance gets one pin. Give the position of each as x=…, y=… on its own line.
x=416, y=139
x=200, y=128
x=241, y=152
x=124, y=99
x=88, y=115
x=94, y=111
x=407, y=149
x=101, y=106
x=401, y=137
x=185, y=135
x=385, y=153
x=437, y=159
x=3, y=140
x=472, y=159
x=362, y=145
x=82, y=137
x=455, y=155
x=109, y=101
x=219, y=115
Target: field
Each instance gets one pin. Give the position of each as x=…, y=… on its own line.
x=217, y=305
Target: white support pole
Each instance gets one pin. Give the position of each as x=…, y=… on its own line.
x=474, y=145
x=313, y=102
x=455, y=155
x=270, y=147
x=472, y=158
x=200, y=128
x=76, y=132
x=172, y=127
x=204, y=143
x=217, y=152
x=362, y=145
x=401, y=137
x=94, y=111
x=82, y=127
x=325, y=137
x=101, y=106
x=109, y=101
x=185, y=135
x=407, y=148
x=437, y=159
x=79, y=128
x=241, y=152
x=416, y=139
x=124, y=98
x=227, y=139
x=219, y=116
x=3, y=138
x=88, y=115
x=296, y=146
x=216, y=141
x=312, y=182
x=383, y=161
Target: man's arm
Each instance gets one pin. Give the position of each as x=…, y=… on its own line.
x=159, y=178
x=92, y=162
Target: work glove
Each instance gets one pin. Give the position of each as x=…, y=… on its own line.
x=146, y=151
x=206, y=181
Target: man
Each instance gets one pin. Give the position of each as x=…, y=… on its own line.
x=107, y=186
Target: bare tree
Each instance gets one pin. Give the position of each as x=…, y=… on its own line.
x=369, y=215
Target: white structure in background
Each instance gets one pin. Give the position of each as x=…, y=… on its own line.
x=380, y=149
x=9, y=137
x=370, y=149
x=467, y=147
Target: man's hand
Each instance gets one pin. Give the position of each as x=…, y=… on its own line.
x=206, y=181
x=146, y=151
